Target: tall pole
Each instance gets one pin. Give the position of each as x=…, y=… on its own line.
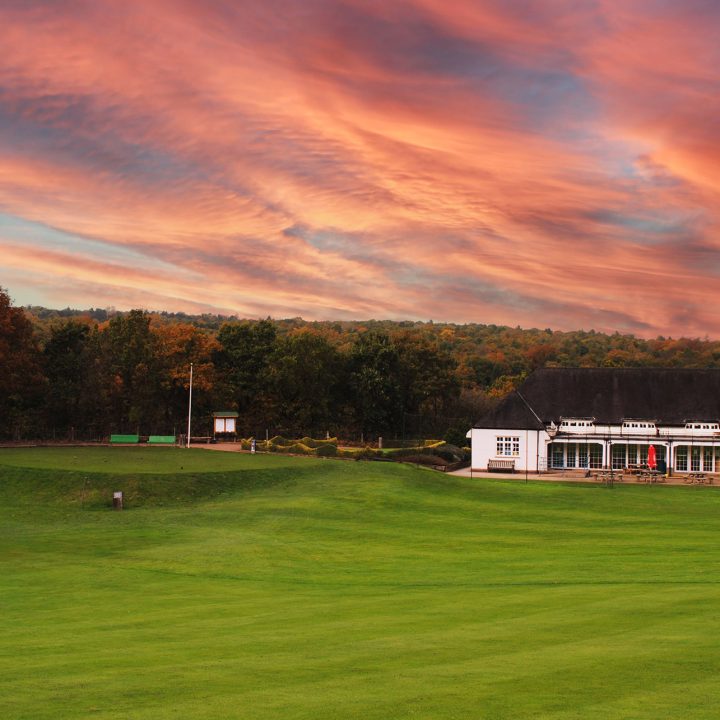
x=189, y=405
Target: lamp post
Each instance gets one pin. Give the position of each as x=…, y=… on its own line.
x=189, y=405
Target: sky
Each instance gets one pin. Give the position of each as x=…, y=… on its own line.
x=541, y=163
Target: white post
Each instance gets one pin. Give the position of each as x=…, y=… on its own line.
x=190, y=405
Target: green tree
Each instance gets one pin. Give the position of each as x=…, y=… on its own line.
x=129, y=356
x=307, y=375
x=374, y=383
x=66, y=360
x=242, y=363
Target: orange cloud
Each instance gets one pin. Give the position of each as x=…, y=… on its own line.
x=459, y=161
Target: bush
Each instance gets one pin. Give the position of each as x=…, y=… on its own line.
x=310, y=442
x=298, y=448
x=367, y=453
x=327, y=451
x=456, y=436
x=450, y=453
x=398, y=453
x=425, y=459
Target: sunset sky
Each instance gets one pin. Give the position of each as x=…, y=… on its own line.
x=536, y=163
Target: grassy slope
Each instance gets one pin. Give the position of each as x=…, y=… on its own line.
x=266, y=587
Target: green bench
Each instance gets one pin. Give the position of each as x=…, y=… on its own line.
x=126, y=439
x=161, y=440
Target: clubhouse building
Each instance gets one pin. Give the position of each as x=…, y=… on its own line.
x=587, y=418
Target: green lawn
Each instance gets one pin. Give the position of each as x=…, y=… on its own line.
x=258, y=587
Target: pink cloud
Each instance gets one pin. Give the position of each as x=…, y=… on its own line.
x=462, y=161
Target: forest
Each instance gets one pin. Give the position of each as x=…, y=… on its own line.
x=83, y=374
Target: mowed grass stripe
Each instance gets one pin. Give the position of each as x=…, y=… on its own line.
x=331, y=589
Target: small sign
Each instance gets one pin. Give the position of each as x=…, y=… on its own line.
x=117, y=495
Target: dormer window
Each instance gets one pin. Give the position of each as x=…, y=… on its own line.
x=703, y=426
x=639, y=425
x=576, y=423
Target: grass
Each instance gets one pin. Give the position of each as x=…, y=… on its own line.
x=257, y=587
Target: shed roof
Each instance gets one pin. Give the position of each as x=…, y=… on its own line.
x=668, y=396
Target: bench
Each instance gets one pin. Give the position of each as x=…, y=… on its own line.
x=124, y=439
x=161, y=440
x=501, y=466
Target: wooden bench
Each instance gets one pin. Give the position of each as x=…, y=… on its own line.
x=124, y=439
x=501, y=466
x=698, y=477
x=161, y=440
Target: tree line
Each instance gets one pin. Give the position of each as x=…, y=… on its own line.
x=85, y=374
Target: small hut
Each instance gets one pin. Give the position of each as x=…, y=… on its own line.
x=225, y=424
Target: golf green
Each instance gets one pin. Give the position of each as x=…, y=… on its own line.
x=258, y=587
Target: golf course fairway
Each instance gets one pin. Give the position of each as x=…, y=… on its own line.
x=264, y=587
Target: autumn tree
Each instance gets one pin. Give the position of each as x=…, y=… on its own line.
x=21, y=378
x=129, y=357
x=176, y=346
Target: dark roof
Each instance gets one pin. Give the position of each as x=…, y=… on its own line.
x=610, y=395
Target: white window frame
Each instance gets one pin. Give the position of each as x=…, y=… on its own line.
x=507, y=446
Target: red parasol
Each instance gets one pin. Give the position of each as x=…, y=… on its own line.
x=652, y=457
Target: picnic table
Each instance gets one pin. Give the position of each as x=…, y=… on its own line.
x=608, y=476
x=637, y=468
x=699, y=478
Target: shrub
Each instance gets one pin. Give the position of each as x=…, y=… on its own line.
x=398, y=453
x=367, y=453
x=425, y=459
x=449, y=453
x=327, y=451
x=456, y=436
x=298, y=448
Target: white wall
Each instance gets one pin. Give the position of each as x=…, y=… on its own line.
x=484, y=448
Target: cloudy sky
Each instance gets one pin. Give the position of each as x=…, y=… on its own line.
x=545, y=163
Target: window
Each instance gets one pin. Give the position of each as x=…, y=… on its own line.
x=681, y=458
x=707, y=459
x=619, y=456
x=575, y=423
x=695, y=460
x=632, y=454
x=509, y=446
x=557, y=456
